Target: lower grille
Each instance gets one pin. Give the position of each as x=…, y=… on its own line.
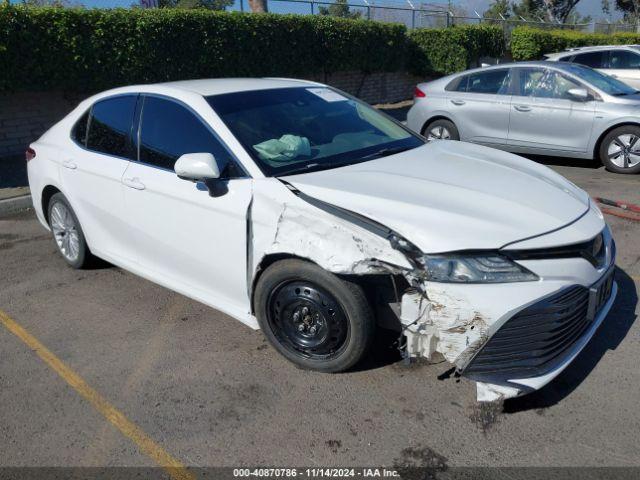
x=533, y=341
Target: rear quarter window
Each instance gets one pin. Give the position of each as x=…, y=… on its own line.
x=79, y=130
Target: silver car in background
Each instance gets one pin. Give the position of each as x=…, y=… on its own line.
x=619, y=61
x=543, y=108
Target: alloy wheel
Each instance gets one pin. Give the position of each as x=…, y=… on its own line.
x=439, y=133
x=65, y=231
x=624, y=151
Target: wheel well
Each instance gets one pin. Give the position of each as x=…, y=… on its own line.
x=596, y=148
x=433, y=119
x=48, y=192
x=265, y=263
x=380, y=289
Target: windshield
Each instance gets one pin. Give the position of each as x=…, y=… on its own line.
x=303, y=129
x=604, y=82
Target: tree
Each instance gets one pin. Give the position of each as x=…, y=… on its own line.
x=208, y=4
x=630, y=9
x=559, y=10
x=258, y=6
x=339, y=9
x=47, y=3
x=498, y=9
x=556, y=11
x=529, y=10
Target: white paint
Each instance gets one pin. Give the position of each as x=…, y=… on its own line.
x=487, y=392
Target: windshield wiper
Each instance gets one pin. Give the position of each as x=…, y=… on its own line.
x=385, y=152
x=313, y=167
x=623, y=94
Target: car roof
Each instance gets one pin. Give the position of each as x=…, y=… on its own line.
x=532, y=63
x=217, y=86
x=591, y=48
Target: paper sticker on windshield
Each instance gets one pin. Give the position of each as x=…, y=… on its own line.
x=327, y=95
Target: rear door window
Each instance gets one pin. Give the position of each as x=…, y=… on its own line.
x=110, y=126
x=495, y=82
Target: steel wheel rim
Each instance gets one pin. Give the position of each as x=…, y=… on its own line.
x=307, y=320
x=624, y=151
x=439, y=133
x=65, y=231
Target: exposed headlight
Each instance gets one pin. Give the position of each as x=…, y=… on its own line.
x=490, y=268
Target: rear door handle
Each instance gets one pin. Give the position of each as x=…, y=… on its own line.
x=457, y=102
x=69, y=164
x=133, y=183
x=522, y=108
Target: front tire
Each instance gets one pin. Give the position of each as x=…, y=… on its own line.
x=313, y=318
x=67, y=233
x=441, y=130
x=620, y=150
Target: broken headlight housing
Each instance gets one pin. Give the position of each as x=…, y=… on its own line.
x=475, y=268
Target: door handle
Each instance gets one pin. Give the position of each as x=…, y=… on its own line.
x=458, y=102
x=133, y=183
x=522, y=108
x=69, y=164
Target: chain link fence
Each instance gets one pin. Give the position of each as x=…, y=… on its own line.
x=428, y=15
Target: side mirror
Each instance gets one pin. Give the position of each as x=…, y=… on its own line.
x=197, y=167
x=578, y=94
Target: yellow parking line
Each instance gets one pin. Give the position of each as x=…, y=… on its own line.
x=173, y=467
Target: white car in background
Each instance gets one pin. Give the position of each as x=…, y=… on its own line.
x=300, y=210
x=619, y=61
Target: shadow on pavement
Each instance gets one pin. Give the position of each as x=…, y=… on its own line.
x=610, y=334
x=564, y=162
x=13, y=172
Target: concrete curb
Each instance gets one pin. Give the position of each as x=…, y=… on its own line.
x=15, y=204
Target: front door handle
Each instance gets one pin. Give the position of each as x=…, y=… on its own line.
x=69, y=164
x=522, y=108
x=133, y=183
x=457, y=102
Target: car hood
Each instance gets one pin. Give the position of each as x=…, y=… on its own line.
x=448, y=196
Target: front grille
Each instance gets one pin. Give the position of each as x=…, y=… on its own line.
x=533, y=341
x=594, y=251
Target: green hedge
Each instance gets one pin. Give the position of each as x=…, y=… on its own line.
x=448, y=50
x=92, y=49
x=531, y=44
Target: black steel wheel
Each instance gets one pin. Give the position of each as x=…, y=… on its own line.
x=307, y=320
x=312, y=317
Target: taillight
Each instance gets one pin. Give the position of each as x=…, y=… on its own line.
x=30, y=154
x=417, y=93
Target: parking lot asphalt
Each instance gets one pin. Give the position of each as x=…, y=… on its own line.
x=210, y=392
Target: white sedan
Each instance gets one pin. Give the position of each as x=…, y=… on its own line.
x=302, y=211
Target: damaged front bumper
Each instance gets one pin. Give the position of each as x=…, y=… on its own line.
x=510, y=338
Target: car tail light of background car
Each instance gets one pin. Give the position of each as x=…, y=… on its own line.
x=417, y=93
x=29, y=154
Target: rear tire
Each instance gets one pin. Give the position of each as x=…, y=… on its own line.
x=620, y=150
x=67, y=233
x=313, y=318
x=441, y=130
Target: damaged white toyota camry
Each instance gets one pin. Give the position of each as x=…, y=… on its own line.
x=302, y=211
